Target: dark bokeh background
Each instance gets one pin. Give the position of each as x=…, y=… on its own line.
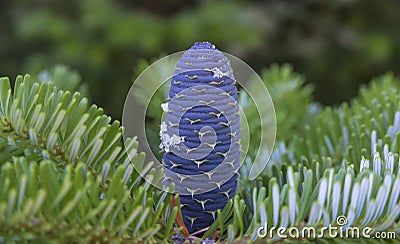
x=336, y=44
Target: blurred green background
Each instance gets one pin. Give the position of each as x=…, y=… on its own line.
x=337, y=45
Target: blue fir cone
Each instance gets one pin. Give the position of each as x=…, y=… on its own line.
x=201, y=134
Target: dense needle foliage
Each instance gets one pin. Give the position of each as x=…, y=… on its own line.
x=65, y=174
